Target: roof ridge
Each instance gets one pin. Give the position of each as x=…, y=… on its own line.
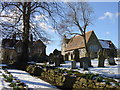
x=104, y=40
x=89, y=31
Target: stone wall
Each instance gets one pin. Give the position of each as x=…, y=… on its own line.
x=73, y=79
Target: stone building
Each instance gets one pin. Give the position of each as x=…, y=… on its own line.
x=11, y=48
x=77, y=43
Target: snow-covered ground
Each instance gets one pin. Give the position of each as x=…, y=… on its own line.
x=109, y=70
x=34, y=82
x=3, y=84
x=30, y=81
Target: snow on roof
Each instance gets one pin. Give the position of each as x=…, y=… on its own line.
x=107, y=44
x=104, y=43
x=10, y=47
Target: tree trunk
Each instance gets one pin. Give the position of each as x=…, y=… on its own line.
x=86, y=48
x=26, y=27
x=87, y=51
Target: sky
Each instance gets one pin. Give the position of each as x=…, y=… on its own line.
x=105, y=24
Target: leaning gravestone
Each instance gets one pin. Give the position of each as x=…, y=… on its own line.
x=73, y=64
x=101, y=58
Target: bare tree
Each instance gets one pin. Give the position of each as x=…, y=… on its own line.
x=20, y=17
x=78, y=18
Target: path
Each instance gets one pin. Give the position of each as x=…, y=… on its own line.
x=32, y=82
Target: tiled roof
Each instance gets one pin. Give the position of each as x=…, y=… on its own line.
x=39, y=41
x=11, y=44
x=8, y=42
x=78, y=41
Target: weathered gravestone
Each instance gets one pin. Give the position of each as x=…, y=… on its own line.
x=111, y=56
x=101, y=58
x=51, y=58
x=56, y=57
x=57, y=61
x=111, y=61
x=84, y=63
x=76, y=58
x=73, y=64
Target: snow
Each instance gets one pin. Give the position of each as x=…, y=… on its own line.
x=30, y=81
x=104, y=44
x=3, y=84
x=9, y=47
x=2, y=65
x=111, y=71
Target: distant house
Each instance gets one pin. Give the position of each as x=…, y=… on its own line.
x=77, y=42
x=11, y=48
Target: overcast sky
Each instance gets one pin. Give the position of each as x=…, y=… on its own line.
x=105, y=24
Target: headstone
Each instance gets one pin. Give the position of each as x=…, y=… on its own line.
x=58, y=56
x=85, y=65
x=89, y=62
x=57, y=63
x=111, y=56
x=73, y=64
x=84, y=62
x=81, y=63
x=88, y=58
x=51, y=58
x=101, y=62
x=101, y=58
x=111, y=61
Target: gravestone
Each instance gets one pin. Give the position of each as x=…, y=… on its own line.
x=51, y=58
x=76, y=53
x=101, y=58
x=76, y=58
x=58, y=57
x=73, y=64
x=81, y=63
x=57, y=61
x=111, y=61
x=84, y=63
x=111, y=56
